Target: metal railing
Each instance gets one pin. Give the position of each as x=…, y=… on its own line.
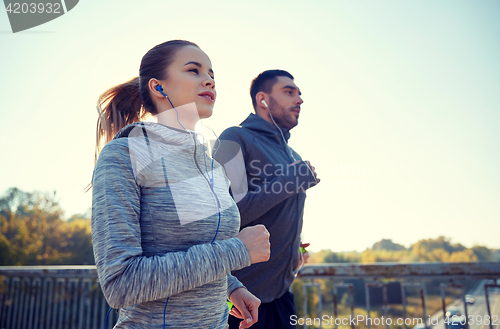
x=52, y=297
x=397, y=277
x=69, y=297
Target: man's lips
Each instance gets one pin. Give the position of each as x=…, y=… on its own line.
x=208, y=95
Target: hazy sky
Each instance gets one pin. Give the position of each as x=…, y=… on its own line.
x=401, y=110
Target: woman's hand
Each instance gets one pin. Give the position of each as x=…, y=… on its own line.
x=256, y=239
x=246, y=307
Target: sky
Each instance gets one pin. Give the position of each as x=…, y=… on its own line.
x=401, y=110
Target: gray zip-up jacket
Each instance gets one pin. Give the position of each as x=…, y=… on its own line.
x=269, y=190
x=156, y=208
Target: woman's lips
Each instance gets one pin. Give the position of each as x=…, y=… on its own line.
x=208, y=95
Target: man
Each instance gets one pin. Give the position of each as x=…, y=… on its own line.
x=268, y=183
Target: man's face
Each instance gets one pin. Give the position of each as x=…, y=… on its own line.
x=284, y=102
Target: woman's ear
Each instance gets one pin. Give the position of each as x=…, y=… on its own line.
x=156, y=89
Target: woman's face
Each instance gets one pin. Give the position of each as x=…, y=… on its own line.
x=191, y=79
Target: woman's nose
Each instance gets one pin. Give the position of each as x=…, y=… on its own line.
x=209, y=82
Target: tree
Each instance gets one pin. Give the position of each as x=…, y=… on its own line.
x=32, y=231
x=482, y=253
x=425, y=246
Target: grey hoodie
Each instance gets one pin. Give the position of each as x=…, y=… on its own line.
x=270, y=191
x=155, y=212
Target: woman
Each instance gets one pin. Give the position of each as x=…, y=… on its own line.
x=164, y=227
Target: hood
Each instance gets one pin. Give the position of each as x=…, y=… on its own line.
x=158, y=139
x=261, y=126
x=156, y=131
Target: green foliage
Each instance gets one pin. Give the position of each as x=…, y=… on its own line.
x=32, y=232
x=441, y=242
x=441, y=250
x=426, y=250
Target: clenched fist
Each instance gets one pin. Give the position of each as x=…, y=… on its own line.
x=256, y=239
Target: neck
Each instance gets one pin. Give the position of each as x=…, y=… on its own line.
x=184, y=117
x=264, y=114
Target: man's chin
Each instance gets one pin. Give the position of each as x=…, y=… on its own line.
x=293, y=122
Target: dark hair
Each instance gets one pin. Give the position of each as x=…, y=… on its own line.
x=154, y=65
x=265, y=82
x=130, y=101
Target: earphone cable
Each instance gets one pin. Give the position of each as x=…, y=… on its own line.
x=282, y=136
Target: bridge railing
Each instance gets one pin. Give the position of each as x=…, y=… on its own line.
x=392, y=281
x=52, y=297
x=69, y=297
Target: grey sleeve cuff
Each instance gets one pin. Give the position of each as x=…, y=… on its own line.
x=232, y=284
x=237, y=254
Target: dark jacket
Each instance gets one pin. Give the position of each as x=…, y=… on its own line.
x=270, y=191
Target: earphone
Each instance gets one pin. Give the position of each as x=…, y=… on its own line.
x=263, y=102
x=160, y=89
x=212, y=184
x=211, y=179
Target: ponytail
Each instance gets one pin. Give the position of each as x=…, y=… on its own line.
x=116, y=108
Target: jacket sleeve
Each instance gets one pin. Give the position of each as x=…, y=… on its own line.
x=232, y=284
x=260, y=200
x=126, y=276
x=255, y=199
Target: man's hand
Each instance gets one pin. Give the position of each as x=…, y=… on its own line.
x=313, y=169
x=246, y=307
x=304, y=256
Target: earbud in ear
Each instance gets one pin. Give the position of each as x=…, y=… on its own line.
x=160, y=89
x=263, y=102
